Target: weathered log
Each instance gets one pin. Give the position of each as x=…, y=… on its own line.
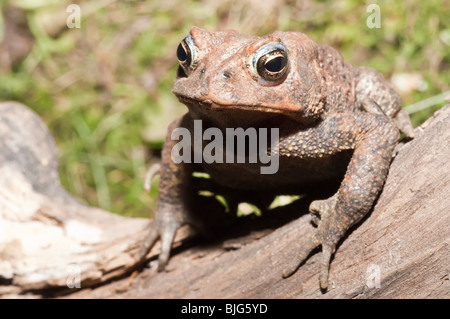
x=401, y=250
x=47, y=238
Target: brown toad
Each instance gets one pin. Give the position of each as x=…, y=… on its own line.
x=334, y=121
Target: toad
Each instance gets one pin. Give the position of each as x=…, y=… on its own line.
x=334, y=121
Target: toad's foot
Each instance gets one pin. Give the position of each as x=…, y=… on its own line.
x=163, y=227
x=330, y=230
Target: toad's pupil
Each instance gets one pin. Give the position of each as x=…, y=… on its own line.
x=181, y=53
x=276, y=64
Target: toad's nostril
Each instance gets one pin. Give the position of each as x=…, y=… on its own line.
x=226, y=75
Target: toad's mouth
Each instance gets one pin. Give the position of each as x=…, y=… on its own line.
x=207, y=103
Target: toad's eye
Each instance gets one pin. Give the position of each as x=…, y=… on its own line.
x=271, y=61
x=186, y=52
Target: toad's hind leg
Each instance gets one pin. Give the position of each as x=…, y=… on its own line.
x=375, y=140
x=375, y=95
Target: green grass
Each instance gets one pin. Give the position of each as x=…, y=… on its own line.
x=104, y=89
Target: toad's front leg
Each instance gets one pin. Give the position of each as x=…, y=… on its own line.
x=171, y=212
x=373, y=138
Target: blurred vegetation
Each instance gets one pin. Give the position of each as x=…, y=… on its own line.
x=104, y=89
